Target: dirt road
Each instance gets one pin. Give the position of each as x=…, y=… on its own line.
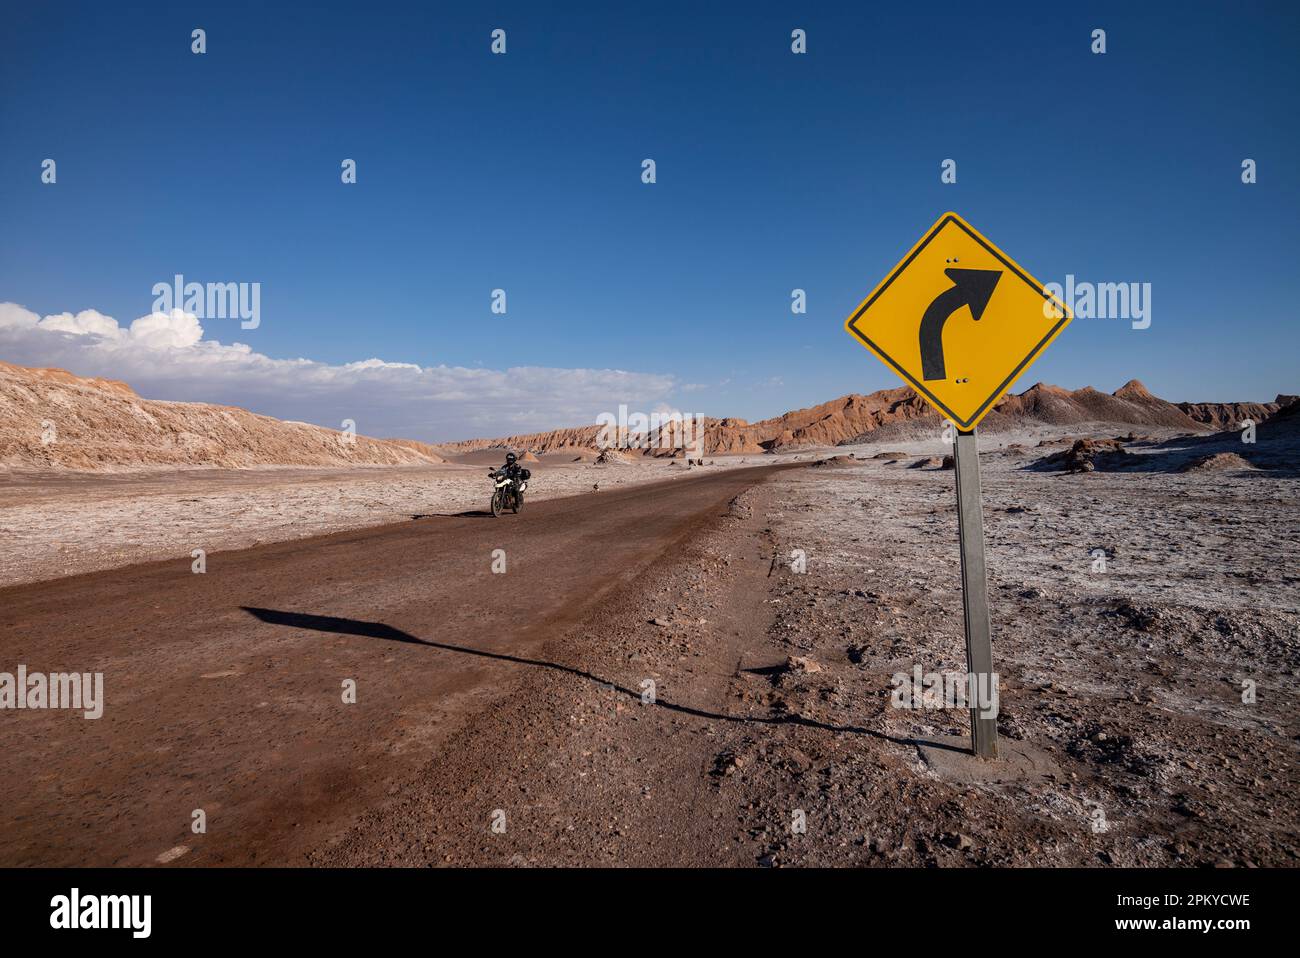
x=225, y=691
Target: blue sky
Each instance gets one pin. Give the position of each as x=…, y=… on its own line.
x=522, y=172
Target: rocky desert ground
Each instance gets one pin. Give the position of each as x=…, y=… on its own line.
x=1126, y=738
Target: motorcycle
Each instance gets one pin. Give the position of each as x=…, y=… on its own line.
x=506, y=493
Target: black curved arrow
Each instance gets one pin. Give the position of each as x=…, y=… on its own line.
x=973, y=288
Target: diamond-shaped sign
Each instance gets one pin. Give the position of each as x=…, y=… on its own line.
x=958, y=320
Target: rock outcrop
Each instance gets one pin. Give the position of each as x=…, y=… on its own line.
x=1222, y=416
x=50, y=418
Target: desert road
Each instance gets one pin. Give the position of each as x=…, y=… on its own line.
x=224, y=691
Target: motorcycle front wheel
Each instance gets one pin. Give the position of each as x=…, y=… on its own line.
x=496, y=503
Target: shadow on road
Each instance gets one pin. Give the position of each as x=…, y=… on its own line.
x=378, y=630
x=469, y=514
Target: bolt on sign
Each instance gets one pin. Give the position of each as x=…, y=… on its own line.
x=960, y=321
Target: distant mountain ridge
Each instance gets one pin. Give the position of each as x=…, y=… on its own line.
x=855, y=417
x=50, y=418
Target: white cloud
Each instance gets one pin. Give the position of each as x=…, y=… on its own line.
x=176, y=330
x=86, y=321
x=164, y=356
x=13, y=316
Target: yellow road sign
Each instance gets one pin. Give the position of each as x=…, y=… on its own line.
x=958, y=320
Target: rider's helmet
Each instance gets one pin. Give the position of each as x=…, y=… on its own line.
x=510, y=458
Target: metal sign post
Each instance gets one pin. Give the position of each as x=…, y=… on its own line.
x=975, y=593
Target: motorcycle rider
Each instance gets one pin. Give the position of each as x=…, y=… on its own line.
x=512, y=471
